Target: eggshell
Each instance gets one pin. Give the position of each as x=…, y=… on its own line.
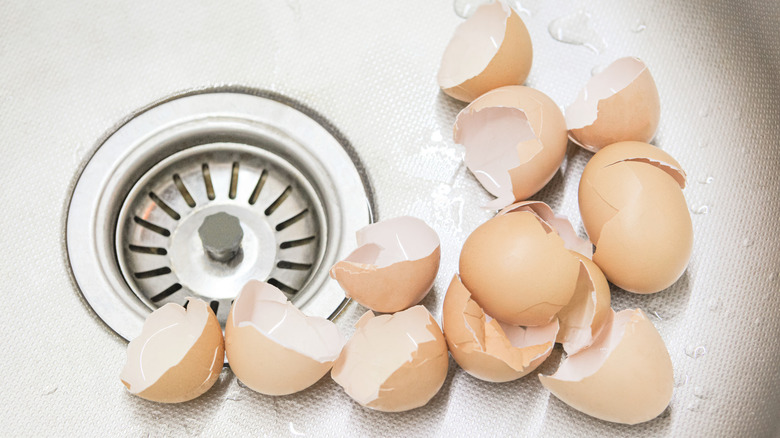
x=515, y=141
x=619, y=104
x=588, y=311
x=178, y=355
x=559, y=223
x=518, y=269
x=393, y=362
x=272, y=347
x=626, y=376
x=489, y=50
x=634, y=211
x=393, y=267
x=486, y=348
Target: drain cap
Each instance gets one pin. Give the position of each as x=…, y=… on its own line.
x=199, y=194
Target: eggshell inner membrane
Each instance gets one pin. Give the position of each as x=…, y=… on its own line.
x=559, y=223
x=585, y=316
x=166, y=337
x=474, y=44
x=394, y=240
x=621, y=73
x=497, y=139
x=378, y=348
x=266, y=308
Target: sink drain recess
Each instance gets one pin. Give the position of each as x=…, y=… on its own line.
x=201, y=193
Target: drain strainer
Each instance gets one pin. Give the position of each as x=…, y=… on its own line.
x=198, y=195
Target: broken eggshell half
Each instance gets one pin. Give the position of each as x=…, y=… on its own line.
x=394, y=266
x=634, y=211
x=620, y=103
x=518, y=268
x=178, y=355
x=626, y=376
x=395, y=362
x=486, y=348
x=273, y=347
x=490, y=49
x=588, y=311
x=515, y=141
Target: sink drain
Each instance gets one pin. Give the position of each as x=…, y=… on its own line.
x=199, y=194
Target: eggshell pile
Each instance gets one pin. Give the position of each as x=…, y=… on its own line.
x=625, y=377
x=620, y=103
x=515, y=141
x=487, y=348
x=272, y=347
x=518, y=269
x=489, y=50
x=178, y=355
x=633, y=208
x=393, y=362
x=394, y=266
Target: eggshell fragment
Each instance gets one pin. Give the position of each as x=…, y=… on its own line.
x=588, y=311
x=178, y=355
x=626, y=376
x=394, y=266
x=518, y=269
x=272, y=347
x=559, y=223
x=634, y=211
x=486, y=348
x=489, y=50
x=620, y=103
x=393, y=362
x=515, y=141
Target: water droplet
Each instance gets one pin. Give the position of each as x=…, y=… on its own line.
x=681, y=381
x=466, y=8
x=703, y=144
x=704, y=112
x=707, y=180
x=773, y=276
x=639, y=26
x=695, y=351
x=295, y=432
x=695, y=406
x=50, y=390
x=655, y=313
x=699, y=392
x=436, y=136
x=747, y=242
x=598, y=69
x=78, y=153
x=575, y=29
x=758, y=320
x=700, y=209
x=520, y=8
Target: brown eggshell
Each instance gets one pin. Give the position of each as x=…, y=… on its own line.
x=588, y=311
x=518, y=269
x=178, y=355
x=394, y=266
x=481, y=346
x=473, y=64
x=515, y=141
x=626, y=376
x=298, y=351
x=634, y=210
x=395, y=362
x=560, y=224
x=619, y=104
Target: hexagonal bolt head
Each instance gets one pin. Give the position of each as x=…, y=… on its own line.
x=221, y=236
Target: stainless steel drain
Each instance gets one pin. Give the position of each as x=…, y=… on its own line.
x=199, y=194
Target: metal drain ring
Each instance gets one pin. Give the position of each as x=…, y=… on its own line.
x=246, y=129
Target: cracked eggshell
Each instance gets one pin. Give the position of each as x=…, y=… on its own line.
x=559, y=223
x=515, y=141
x=634, y=210
x=486, y=348
x=272, y=347
x=518, y=269
x=394, y=266
x=620, y=103
x=178, y=355
x=490, y=49
x=626, y=376
x=588, y=311
x=395, y=362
